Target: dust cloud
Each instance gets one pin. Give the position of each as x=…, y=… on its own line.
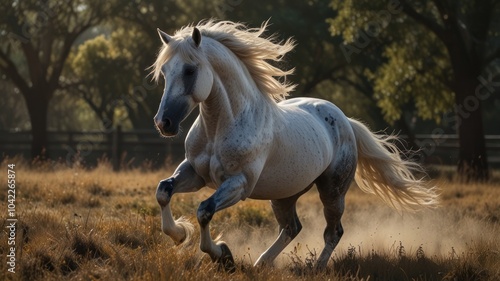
x=368, y=229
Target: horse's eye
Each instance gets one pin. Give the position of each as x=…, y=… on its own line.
x=189, y=71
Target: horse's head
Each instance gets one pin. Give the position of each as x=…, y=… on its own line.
x=188, y=80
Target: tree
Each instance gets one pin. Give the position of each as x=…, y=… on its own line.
x=36, y=39
x=436, y=55
x=13, y=117
x=102, y=72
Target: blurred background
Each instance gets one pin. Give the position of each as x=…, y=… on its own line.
x=74, y=84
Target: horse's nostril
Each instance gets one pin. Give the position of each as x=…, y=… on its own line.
x=167, y=123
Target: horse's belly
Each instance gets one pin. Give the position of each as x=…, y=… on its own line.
x=298, y=160
x=278, y=186
x=315, y=131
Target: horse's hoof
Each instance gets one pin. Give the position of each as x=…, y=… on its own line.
x=226, y=261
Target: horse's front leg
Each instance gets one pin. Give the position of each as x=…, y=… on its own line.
x=229, y=193
x=183, y=180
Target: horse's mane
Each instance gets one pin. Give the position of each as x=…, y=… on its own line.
x=254, y=51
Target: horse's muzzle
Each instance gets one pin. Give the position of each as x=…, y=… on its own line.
x=167, y=128
x=169, y=118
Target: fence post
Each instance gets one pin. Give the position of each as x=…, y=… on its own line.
x=71, y=140
x=116, y=148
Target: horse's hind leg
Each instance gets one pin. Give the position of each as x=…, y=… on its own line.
x=289, y=227
x=332, y=188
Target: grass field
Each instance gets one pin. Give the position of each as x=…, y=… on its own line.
x=77, y=224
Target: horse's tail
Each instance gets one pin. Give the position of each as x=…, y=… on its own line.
x=381, y=171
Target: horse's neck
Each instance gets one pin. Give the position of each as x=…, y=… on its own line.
x=233, y=93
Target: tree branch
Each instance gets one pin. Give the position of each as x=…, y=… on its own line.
x=429, y=24
x=34, y=66
x=443, y=11
x=68, y=43
x=59, y=65
x=46, y=47
x=11, y=71
x=320, y=77
x=355, y=85
x=98, y=111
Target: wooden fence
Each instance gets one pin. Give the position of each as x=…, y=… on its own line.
x=129, y=148
x=132, y=148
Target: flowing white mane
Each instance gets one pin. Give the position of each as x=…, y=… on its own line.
x=254, y=51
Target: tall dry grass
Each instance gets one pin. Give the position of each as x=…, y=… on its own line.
x=78, y=224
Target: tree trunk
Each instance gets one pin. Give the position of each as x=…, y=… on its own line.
x=38, y=107
x=473, y=162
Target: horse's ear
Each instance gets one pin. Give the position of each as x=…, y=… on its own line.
x=196, y=36
x=165, y=38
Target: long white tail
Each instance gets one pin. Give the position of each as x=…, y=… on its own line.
x=381, y=171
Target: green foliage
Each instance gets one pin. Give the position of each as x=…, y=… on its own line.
x=413, y=62
x=414, y=67
x=98, y=56
x=353, y=16
x=104, y=73
x=412, y=74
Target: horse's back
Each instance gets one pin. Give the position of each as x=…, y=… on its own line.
x=327, y=115
x=334, y=122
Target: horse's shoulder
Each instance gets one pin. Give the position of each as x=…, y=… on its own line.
x=240, y=144
x=196, y=140
x=245, y=138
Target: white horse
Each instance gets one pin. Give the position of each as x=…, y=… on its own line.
x=248, y=142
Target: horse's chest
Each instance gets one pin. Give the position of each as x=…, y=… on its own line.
x=201, y=161
x=207, y=164
x=217, y=162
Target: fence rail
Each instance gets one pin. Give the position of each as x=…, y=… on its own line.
x=134, y=147
x=121, y=147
